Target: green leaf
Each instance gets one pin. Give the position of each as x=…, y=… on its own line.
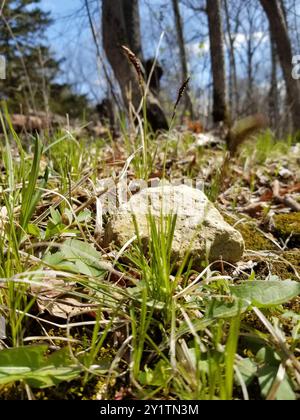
x=85, y=257
x=84, y=216
x=69, y=215
x=54, y=259
x=33, y=230
x=266, y=376
x=247, y=369
x=269, y=356
x=201, y=365
x=197, y=325
x=55, y=215
x=30, y=194
x=136, y=293
x=270, y=362
x=58, y=261
x=224, y=309
x=78, y=257
x=29, y=363
x=263, y=294
x=159, y=376
x=53, y=229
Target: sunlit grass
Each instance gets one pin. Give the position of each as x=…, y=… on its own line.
x=167, y=331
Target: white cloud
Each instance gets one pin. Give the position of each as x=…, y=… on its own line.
x=198, y=48
x=242, y=39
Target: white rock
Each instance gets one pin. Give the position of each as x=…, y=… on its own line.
x=200, y=228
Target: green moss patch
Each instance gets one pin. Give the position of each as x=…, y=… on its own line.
x=288, y=226
x=254, y=239
x=285, y=267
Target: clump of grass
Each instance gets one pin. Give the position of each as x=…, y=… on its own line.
x=266, y=146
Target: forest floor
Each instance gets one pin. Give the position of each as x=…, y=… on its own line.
x=79, y=321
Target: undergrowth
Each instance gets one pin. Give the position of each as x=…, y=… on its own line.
x=79, y=322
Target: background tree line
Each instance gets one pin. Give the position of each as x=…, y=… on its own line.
x=238, y=52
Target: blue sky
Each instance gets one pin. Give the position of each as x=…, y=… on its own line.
x=59, y=9
x=63, y=30
x=70, y=37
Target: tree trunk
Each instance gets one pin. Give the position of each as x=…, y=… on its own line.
x=217, y=59
x=234, y=94
x=280, y=34
x=183, y=60
x=132, y=25
x=273, y=94
x=120, y=26
x=250, y=104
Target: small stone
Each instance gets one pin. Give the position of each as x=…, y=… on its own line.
x=286, y=173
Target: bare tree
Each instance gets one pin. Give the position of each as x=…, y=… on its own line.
x=182, y=51
x=278, y=28
x=253, y=29
x=120, y=26
x=273, y=94
x=132, y=26
x=217, y=59
x=233, y=80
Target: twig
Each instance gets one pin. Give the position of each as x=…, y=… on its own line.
x=111, y=86
x=286, y=200
x=40, y=218
x=2, y=6
x=90, y=200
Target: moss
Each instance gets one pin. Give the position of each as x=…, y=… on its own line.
x=75, y=390
x=294, y=305
x=12, y=391
x=287, y=262
x=282, y=265
x=285, y=266
x=254, y=239
x=288, y=226
x=293, y=257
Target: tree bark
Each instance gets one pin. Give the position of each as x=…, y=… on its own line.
x=217, y=60
x=132, y=24
x=280, y=34
x=234, y=95
x=273, y=94
x=120, y=26
x=183, y=59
